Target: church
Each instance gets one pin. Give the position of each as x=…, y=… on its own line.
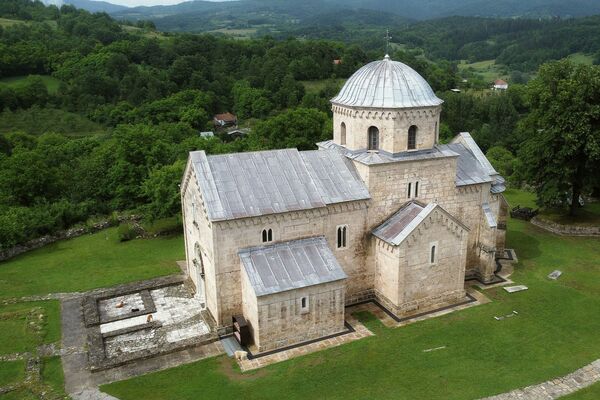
x=383, y=211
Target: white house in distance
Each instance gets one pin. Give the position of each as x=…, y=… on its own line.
x=382, y=212
x=500, y=84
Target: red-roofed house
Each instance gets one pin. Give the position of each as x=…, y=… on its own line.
x=500, y=84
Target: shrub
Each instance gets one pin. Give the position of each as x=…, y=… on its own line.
x=126, y=231
x=164, y=226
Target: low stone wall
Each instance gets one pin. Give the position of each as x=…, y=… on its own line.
x=565, y=230
x=61, y=235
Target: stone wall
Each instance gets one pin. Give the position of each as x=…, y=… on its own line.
x=419, y=283
x=231, y=236
x=393, y=127
x=277, y=320
x=565, y=230
x=199, y=240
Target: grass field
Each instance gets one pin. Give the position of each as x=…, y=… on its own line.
x=488, y=69
x=318, y=85
x=52, y=84
x=88, y=262
x=22, y=329
x=37, y=121
x=580, y=58
x=5, y=22
x=555, y=332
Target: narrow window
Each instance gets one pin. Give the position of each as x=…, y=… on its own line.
x=412, y=137
x=417, y=189
x=373, y=138
x=342, y=232
x=409, y=189
x=343, y=134
x=270, y=235
x=304, y=305
x=432, y=256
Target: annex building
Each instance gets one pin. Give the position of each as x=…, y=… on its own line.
x=382, y=211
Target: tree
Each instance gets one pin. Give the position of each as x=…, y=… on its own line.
x=300, y=128
x=162, y=190
x=562, y=151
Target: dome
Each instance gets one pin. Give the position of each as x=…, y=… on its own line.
x=386, y=84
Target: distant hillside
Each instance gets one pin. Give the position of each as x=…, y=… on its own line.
x=194, y=15
x=89, y=5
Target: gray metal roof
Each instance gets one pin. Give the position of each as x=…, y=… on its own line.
x=400, y=225
x=368, y=157
x=268, y=182
x=335, y=177
x=489, y=215
x=469, y=170
x=290, y=265
x=386, y=84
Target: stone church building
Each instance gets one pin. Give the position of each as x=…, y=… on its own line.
x=382, y=212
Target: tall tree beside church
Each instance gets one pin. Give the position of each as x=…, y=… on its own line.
x=562, y=152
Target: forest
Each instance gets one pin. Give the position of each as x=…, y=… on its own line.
x=97, y=116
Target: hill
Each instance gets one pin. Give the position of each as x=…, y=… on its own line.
x=196, y=16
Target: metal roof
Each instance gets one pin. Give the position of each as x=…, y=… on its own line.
x=400, y=225
x=290, y=265
x=370, y=157
x=250, y=184
x=489, y=215
x=468, y=169
x=386, y=84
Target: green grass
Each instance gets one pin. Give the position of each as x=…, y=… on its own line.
x=88, y=262
x=52, y=84
x=37, y=121
x=589, y=393
x=11, y=372
x=5, y=22
x=488, y=70
x=580, y=58
x=52, y=375
x=22, y=329
x=523, y=198
x=318, y=85
x=589, y=214
x=555, y=332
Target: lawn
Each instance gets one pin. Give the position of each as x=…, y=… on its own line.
x=589, y=214
x=89, y=262
x=24, y=326
x=555, y=333
x=5, y=22
x=52, y=375
x=11, y=372
x=37, y=121
x=52, y=84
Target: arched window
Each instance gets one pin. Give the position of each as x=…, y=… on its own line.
x=304, y=305
x=198, y=262
x=342, y=232
x=412, y=137
x=373, y=138
x=267, y=235
x=432, y=254
x=343, y=134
